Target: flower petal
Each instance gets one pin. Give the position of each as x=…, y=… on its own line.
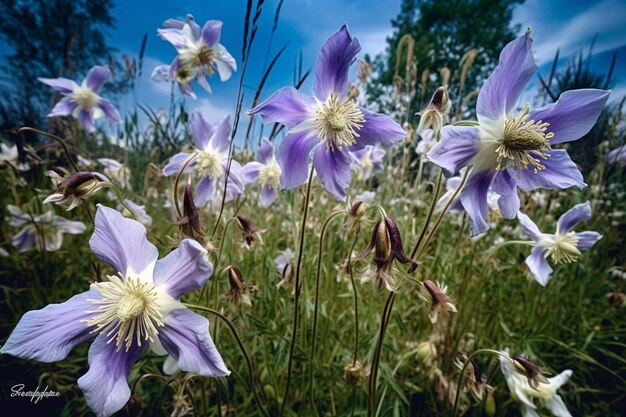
x=220, y=140
x=267, y=197
x=293, y=157
x=538, y=265
x=573, y=216
x=573, y=115
x=499, y=94
x=24, y=240
x=379, y=129
x=65, y=107
x=211, y=32
x=333, y=169
x=474, y=200
x=508, y=202
x=509, y=205
x=49, y=334
x=335, y=59
x=559, y=173
x=557, y=407
x=557, y=381
x=286, y=106
x=86, y=121
x=529, y=227
x=265, y=153
x=225, y=63
x=205, y=191
x=251, y=171
x=201, y=130
x=122, y=243
x=176, y=162
x=587, y=239
x=105, y=385
x=109, y=111
x=173, y=36
x=184, y=269
x=457, y=147
x=186, y=337
x=96, y=77
x=62, y=85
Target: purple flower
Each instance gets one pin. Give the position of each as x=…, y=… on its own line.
x=330, y=125
x=200, y=53
x=562, y=247
x=139, y=211
x=136, y=308
x=82, y=101
x=510, y=151
x=212, y=143
x=617, y=155
x=45, y=231
x=266, y=171
x=367, y=160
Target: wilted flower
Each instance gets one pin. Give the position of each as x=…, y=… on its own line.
x=544, y=391
x=435, y=114
x=10, y=156
x=72, y=189
x=386, y=243
x=44, y=231
x=330, y=125
x=249, y=230
x=354, y=216
x=473, y=376
x=562, y=247
x=210, y=165
x=190, y=223
x=266, y=171
x=435, y=294
x=82, y=101
x=240, y=289
x=354, y=373
x=200, y=53
x=367, y=160
x=136, y=308
x=116, y=170
x=508, y=150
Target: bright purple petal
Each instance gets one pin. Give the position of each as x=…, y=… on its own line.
x=268, y=195
x=105, y=385
x=65, y=107
x=176, y=162
x=573, y=216
x=205, y=191
x=379, y=129
x=529, y=227
x=265, y=153
x=85, y=118
x=474, y=200
x=184, y=269
x=62, y=85
x=573, y=115
x=559, y=173
x=457, y=147
x=211, y=32
x=377, y=156
x=122, y=243
x=499, y=94
x=333, y=169
x=220, y=141
x=587, y=239
x=251, y=171
x=508, y=203
x=49, y=334
x=96, y=77
x=201, y=130
x=293, y=157
x=236, y=182
x=538, y=265
x=186, y=337
x=336, y=57
x=109, y=111
x=286, y=106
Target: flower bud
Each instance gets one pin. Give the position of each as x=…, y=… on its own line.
x=490, y=405
x=249, y=230
x=436, y=295
x=74, y=188
x=435, y=114
x=190, y=223
x=531, y=371
x=353, y=373
x=355, y=215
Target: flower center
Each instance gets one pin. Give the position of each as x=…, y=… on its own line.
x=563, y=249
x=524, y=142
x=336, y=122
x=184, y=74
x=210, y=163
x=85, y=98
x=128, y=311
x=270, y=175
x=199, y=55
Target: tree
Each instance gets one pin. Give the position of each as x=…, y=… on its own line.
x=51, y=38
x=464, y=36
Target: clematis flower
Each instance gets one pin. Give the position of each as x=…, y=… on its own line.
x=367, y=160
x=136, y=308
x=545, y=392
x=200, y=53
x=564, y=246
x=45, y=231
x=515, y=150
x=212, y=144
x=82, y=101
x=266, y=171
x=329, y=125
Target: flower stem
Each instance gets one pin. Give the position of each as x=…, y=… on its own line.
x=296, y=301
x=429, y=216
x=356, y=318
x=177, y=181
x=53, y=137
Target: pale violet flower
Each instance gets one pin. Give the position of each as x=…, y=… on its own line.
x=426, y=142
x=367, y=160
x=116, y=170
x=266, y=171
x=136, y=308
x=564, y=246
x=283, y=259
x=44, y=231
x=10, y=156
x=139, y=210
x=82, y=101
x=617, y=155
x=544, y=393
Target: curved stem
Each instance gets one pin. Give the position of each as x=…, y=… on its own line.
x=296, y=301
x=119, y=197
x=233, y=330
x=429, y=216
x=219, y=257
x=53, y=137
x=177, y=181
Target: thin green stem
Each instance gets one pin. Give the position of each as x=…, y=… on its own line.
x=233, y=330
x=356, y=319
x=119, y=197
x=296, y=301
x=429, y=216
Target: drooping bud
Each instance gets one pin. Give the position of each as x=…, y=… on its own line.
x=240, y=289
x=531, y=371
x=436, y=295
x=190, y=223
x=354, y=217
x=71, y=189
x=435, y=114
x=473, y=376
x=353, y=373
x=249, y=230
